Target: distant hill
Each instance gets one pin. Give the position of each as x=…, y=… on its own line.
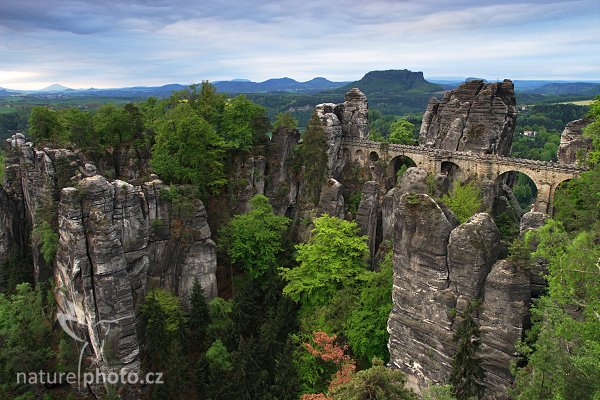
x=568, y=88
x=393, y=81
x=276, y=85
x=56, y=88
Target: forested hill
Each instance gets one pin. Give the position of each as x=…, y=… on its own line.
x=392, y=81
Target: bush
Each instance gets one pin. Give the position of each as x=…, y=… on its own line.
x=464, y=200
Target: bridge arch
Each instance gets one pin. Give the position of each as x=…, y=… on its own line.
x=452, y=170
x=400, y=162
x=373, y=156
x=525, y=189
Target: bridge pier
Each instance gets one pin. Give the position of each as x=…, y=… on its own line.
x=543, y=201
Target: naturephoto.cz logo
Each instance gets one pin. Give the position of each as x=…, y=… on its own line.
x=75, y=318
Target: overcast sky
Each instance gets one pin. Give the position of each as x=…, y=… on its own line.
x=115, y=43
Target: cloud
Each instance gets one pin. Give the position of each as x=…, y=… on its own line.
x=115, y=43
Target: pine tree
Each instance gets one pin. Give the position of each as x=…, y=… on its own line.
x=467, y=375
x=199, y=317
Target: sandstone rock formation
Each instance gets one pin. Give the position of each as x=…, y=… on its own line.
x=114, y=239
x=476, y=116
x=332, y=201
x=473, y=248
x=572, y=141
x=439, y=267
x=503, y=319
x=420, y=323
x=354, y=114
x=349, y=119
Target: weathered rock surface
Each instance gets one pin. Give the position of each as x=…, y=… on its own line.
x=420, y=325
x=113, y=239
x=333, y=131
x=572, y=141
x=473, y=248
x=476, y=116
x=368, y=216
x=282, y=181
x=532, y=220
x=349, y=119
x=332, y=201
x=354, y=114
x=504, y=316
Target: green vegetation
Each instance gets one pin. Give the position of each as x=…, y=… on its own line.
x=26, y=336
x=333, y=258
x=255, y=239
x=548, y=122
x=285, y=120
x=464, y=200
x=561, y=351
x=467, y=375
x=188, y=150
x=375, y=383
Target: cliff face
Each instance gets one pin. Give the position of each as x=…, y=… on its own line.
x=476, y=116
x=115, y=241
x=439, y=267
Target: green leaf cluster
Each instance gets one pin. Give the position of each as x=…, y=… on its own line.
x=464, y=200
x=333, y=258
x=255, y=239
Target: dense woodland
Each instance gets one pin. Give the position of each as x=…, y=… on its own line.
x=304, y=320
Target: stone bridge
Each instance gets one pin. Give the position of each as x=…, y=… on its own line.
x=547, y=176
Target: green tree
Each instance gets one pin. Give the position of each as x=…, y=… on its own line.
x=285, y=120
x=199, y=317
x=164, y=320
x=401, y=132
x=187, y=150
x=204, y=99
x=366, y=326
x=593, y=132
x=464, y=200
x=255, y=239
x=314, y=154
x=45, y=126
x=563, y=346
x=375, y=383
x=242, y=125
x=81, y=132
x=24, y=333
x=467, y=375
x=333, y=258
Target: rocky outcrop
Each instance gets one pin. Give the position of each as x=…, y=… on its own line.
x=349, y=119
x=282, y=180
x=439, y=268
x=249, y=171
x=115, y=241
x=420, y=323
x=573, y=144
x=473, y=248
x=368, y=216
x=354, y=114
x=332, y=201
x=333, y=132
x=476, y=116
x=503, y=319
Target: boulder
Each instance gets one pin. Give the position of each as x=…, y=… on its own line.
x=572, y=142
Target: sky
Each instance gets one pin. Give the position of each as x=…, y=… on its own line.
x=118, y=43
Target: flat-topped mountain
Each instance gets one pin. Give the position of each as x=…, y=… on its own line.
x=393, y=80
